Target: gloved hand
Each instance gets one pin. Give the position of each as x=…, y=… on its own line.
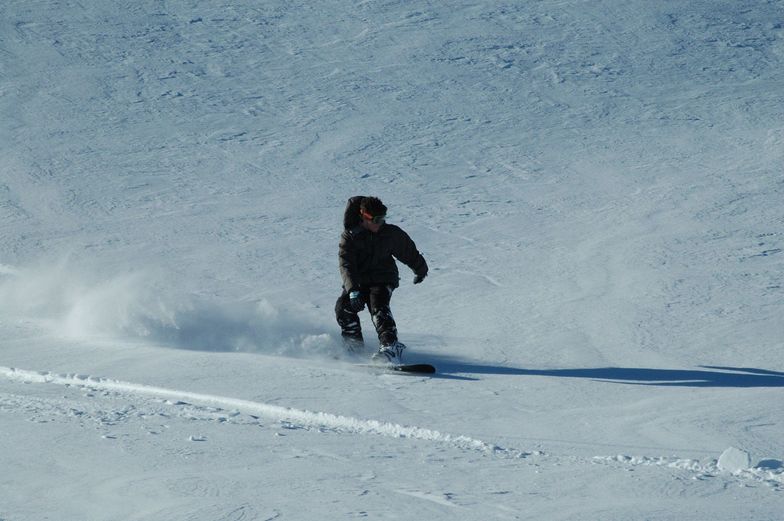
x=356, y=303
x=420, y=278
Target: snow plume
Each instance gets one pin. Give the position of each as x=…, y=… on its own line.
x=81, y=303
x=250, y=327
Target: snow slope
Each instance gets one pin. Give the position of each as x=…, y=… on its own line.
x=597, y=188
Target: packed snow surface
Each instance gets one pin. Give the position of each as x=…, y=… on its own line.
x=597, y=188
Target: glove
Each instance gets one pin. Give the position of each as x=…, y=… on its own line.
x=420, y=278
x=355, y=301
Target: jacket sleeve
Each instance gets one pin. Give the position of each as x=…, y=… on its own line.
x=406, y=252
x=348, y=262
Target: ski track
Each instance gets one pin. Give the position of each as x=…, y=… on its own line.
x=297, y=417
x=225, y=409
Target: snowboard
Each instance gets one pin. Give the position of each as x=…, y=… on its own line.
x=413, y=368
x=402, y=368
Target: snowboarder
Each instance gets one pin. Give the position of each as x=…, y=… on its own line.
x=368, y=249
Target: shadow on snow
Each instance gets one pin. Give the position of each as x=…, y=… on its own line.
x=706, y=376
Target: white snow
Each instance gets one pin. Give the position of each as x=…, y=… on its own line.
x=596, y=187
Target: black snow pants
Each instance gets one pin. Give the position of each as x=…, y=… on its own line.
x=377, y=300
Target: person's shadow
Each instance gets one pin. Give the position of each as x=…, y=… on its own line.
x=706, y=376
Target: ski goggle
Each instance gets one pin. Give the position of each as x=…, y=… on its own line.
x=378, y=219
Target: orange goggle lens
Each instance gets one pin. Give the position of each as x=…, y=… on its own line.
x=378, y=219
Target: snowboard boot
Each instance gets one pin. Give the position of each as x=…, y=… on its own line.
x=390, y=354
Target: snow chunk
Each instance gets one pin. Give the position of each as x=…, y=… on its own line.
x=734, y=460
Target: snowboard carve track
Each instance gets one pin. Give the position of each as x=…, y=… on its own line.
x=309, y=419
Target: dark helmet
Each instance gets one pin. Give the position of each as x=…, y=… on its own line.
x=373, y=206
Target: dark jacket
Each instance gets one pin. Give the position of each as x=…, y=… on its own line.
x=368, y=259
